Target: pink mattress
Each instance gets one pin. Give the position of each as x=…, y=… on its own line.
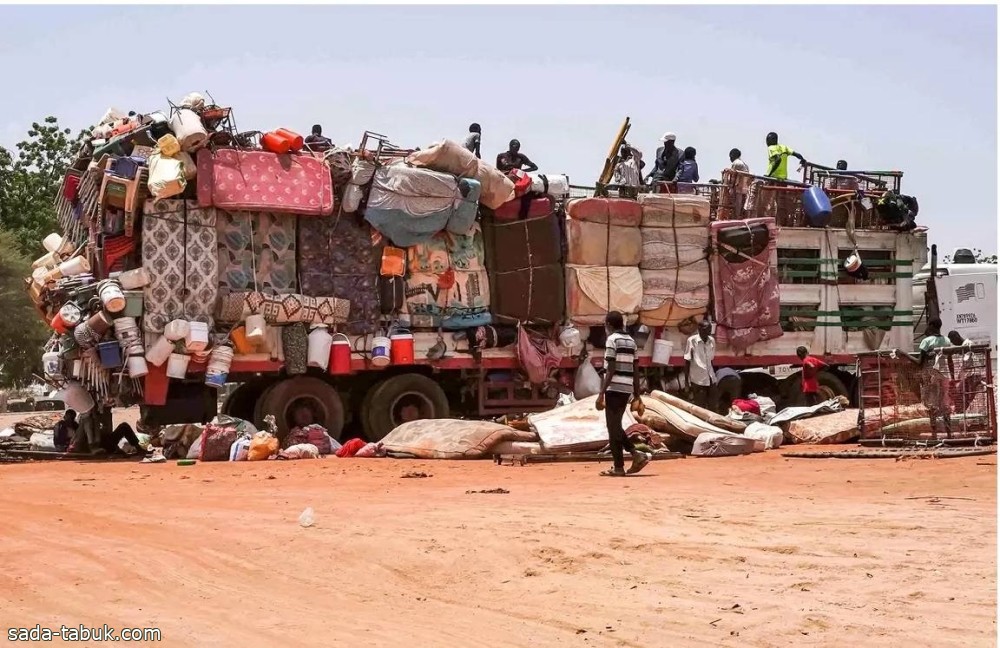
x=263, y=181
x=617, y=211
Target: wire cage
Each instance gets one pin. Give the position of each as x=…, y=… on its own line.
x=876, y=182
x=950, y=397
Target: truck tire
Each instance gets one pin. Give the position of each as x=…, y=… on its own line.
x=242, y=402
x=399, y=399
x=830, y=386
x=280, y=398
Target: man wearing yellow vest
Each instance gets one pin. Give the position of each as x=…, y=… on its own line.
x=777, y=158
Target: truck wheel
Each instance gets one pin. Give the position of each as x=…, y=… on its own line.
x=281, y=398
x=241, y=403
x=830, y=386
x=399, y=399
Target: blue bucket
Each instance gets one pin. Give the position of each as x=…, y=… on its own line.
x=817, y=207
x=110, y=354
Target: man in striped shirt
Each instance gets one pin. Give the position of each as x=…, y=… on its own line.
x=620, y=384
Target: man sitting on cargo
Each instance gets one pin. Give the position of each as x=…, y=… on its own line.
x=811, y=366
x=777, y=158
x=736, y=161
x=687, y=171
x=316, y=142
x=668, y=157
x=698, y=357
x=843, y=181
x=619, y=386
x=514, y=159
x=474, y=139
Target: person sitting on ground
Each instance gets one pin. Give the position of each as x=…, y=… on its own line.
x=316, y=142
x=110, y=442
x=777, y=158
x=619, y=385
x=64, y=431
x=687, y=170
x=514, y=159
x=698, y=357
x=736, y=161
x=811, y=366
x=473, y=141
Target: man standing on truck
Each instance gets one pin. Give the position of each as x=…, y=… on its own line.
x=736, y=161
x=777, y=158
x=474, y=140
x=316, y=142
x=628, y=172
x=619, y=386
x=811, y=366
x=698, y=357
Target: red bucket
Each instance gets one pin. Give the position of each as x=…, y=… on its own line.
x=340, y=355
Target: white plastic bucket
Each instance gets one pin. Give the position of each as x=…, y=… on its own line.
x=47, y=261
x=112, y=296
x=187, y=127
x=196, y=339
x=177, y=365
x=160, y=352
x=132, y=279
x=320, y=342
x=662, y=350
x=256, y=329
x=381, y=351
x=52, y=364
x=176, y=330
x=137, y=366
x=76, y=265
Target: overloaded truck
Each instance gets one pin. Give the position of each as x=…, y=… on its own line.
x=381, y=284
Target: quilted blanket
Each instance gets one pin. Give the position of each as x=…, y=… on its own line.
x=747, y=298
x=591, y=291
x=179, y=253
x=453, y=300
x=337, y=257
x=263, y=181
x=283, y=309
x=257, y=251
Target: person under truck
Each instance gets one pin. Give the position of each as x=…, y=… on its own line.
x=777, y=158
x=811, y=366
x=699, y=354
x=619, y=386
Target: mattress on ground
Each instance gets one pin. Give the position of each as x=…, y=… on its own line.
x=257, y=251
x=664, y=417
x=261, y=181
x=577, y=427
x=602, y=244
x=665, y=249
x=451, y=439
x=523, y=244
x=452, y=300
x=836, y=427
x=531, y=295
x=592, y=291
x=671, y=296
x=616, y=211
x=769, y=436
x=525, y=207
x=669, y=210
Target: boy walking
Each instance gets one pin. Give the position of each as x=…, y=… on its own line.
x=619, y=386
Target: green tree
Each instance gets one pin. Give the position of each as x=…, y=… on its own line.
x=22, y=332
x=980, y=257
x=30, y=177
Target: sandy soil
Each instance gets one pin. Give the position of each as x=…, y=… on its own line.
x=750, y=551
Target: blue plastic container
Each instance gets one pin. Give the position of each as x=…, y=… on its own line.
x=816, y=205
x=110, y=354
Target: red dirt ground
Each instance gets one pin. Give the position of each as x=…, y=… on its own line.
x=747, y=551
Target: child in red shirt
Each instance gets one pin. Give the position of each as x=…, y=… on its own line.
x=811, y=366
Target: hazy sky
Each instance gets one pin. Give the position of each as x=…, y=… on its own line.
x=909, y=88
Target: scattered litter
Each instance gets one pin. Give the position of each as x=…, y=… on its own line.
x=492, y=491
x=415, y=475
x=307, y=518
x=186, y=462
x=155, y=457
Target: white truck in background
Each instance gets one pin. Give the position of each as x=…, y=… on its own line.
x=967, y=298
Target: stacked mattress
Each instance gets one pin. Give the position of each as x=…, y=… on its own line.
x=674, y=266
x=603, y=252
x=337, y=258
x=524, y=255
x=446, y=284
